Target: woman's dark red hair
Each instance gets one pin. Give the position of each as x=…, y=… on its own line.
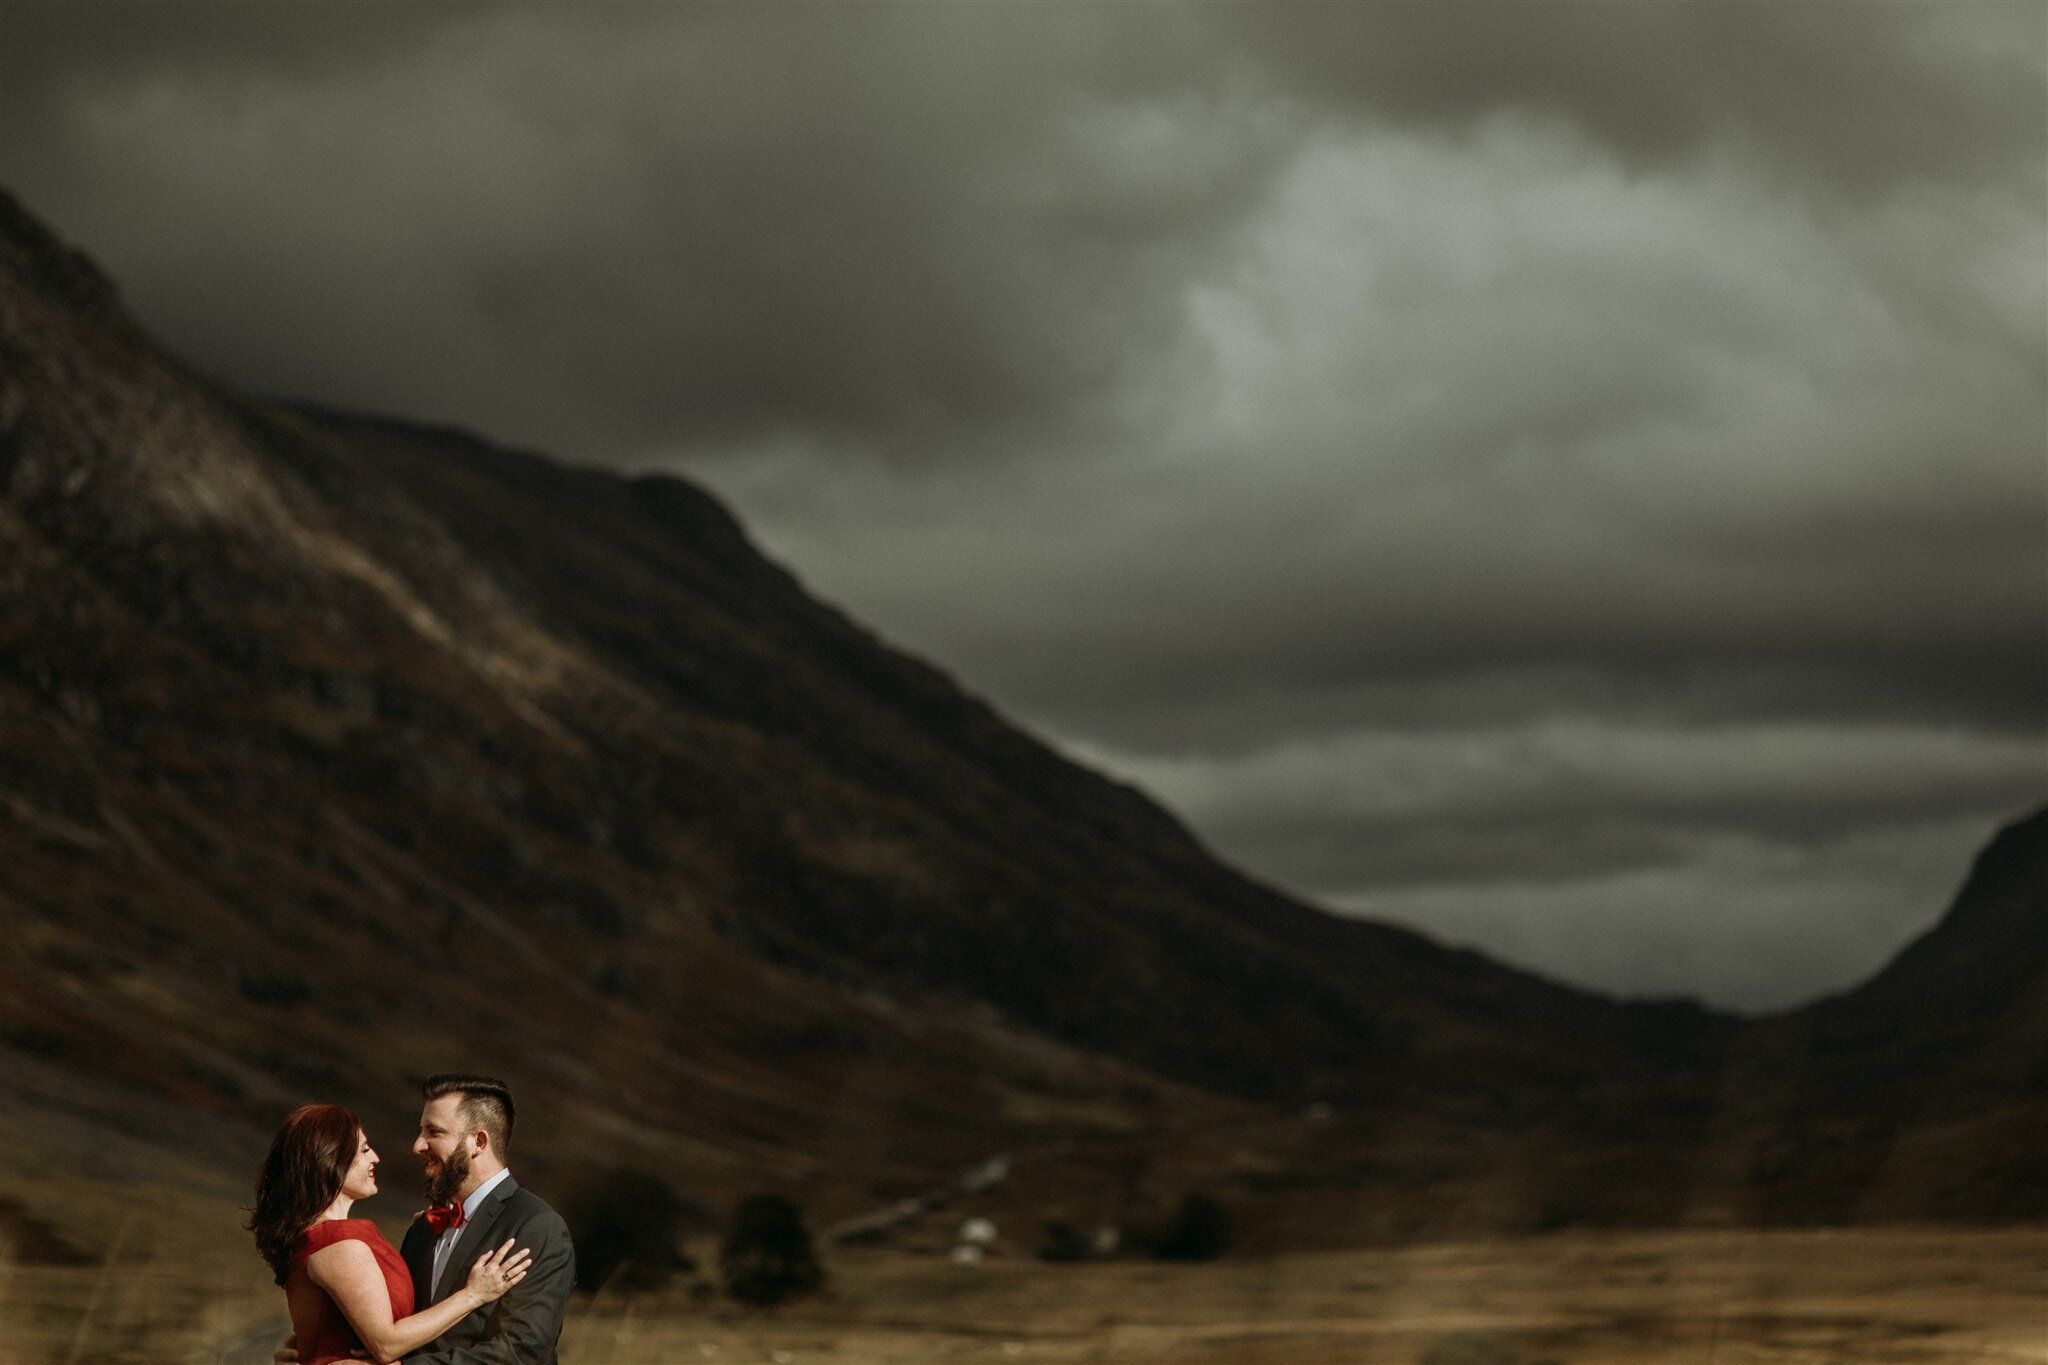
x=308, y=1160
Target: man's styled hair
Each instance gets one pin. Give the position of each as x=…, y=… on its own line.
x=486, y=1104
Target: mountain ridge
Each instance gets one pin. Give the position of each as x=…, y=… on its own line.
x=299, y=708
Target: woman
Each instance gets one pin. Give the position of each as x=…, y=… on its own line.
x=344, y=1282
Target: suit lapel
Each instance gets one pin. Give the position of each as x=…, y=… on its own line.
x=474, y=1241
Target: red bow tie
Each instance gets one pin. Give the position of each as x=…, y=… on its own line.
x=442, y=1217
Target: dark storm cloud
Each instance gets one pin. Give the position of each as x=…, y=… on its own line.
x=1581, y=441
x=1566, y=475
x=1236, y=642
x=1749, y=924
x=1756, y=863
x=652, y=224
x=1852, y=96
x=50, y=45
x=1562, y=800
x=898, y=223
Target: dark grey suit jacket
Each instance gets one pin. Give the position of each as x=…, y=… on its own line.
x=522, y=1327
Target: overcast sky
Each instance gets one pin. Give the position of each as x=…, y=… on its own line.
x=1569, y=477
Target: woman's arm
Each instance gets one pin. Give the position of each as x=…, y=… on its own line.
x=522, y=1327
x=349, y=1272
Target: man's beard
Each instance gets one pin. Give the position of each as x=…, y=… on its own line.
x=442, y=1186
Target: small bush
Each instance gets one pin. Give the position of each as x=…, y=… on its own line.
x=766, y=1258
x=1064, y=1242
x=627, y=1225
x=1200, y=1231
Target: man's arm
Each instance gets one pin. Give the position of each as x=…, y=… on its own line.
x=524, y=1325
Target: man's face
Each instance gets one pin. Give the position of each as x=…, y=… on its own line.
x=443, y=1146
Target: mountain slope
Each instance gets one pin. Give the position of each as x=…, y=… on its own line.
x=1921, y=1093
x=338, y=749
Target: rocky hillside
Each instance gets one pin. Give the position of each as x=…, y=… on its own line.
x=335, y=750
x=1922, y=1093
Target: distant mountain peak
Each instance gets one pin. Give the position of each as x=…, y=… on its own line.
x=1993, y=939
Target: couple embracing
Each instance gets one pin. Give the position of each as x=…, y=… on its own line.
x=484, y=1273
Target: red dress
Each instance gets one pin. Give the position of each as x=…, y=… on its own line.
x=324, y=1334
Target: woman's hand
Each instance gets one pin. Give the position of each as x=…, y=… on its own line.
x=492, y=1275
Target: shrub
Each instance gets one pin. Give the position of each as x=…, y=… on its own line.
x=1200, y=1231
x=1064, y=1242
x=627, y=1225
x=766, y=1258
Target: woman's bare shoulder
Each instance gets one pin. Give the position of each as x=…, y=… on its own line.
x=340, y=1253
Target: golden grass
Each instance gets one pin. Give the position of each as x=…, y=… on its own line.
x=1866, y=1297
x=179, y=1284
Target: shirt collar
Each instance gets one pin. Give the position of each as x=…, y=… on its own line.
x=476, y=1196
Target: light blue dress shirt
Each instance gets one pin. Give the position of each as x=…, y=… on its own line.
x=450, y=1236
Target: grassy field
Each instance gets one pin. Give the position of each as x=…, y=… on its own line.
x=1579, y=1299
x=172, y=1289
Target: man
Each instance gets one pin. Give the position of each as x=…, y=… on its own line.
x=465, y=1136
